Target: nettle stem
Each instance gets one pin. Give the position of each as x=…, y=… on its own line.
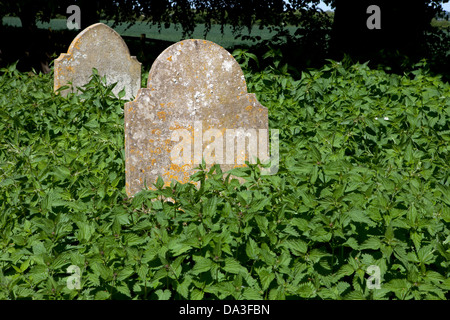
x=332, y=252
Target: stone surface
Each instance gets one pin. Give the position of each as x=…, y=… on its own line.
x=98, y=46
x=196, y=95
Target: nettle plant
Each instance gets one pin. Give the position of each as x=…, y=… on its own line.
x=363, y=182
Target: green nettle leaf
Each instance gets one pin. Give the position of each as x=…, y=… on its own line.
x=197, y=294
x=60, y=261
x=446, y=284
x=21, y=292
x=445, y=190
x=352, y=243
x=252, y=249
x=262, y=222
x=85, y=231
x=210, y=206
x=259, y=204
x=159, y=183
x=372, y=243
x=314, y=174
x=300, y=223
x=355, y=295
x=266, y=255
x=291, y=231
x=133, y=239
x=121, y=93
x=24, y=266
x=434, y=276
x=416, y=237
x=306, y=290
x=142, y=271
x=277, y=294
x=425, y=254
x=102, y=295
x=320, y=234
x=201, y=265
x=265, y=277
x=315, y=153
x=92, y=124
x=103, y=271
x=178, y=248
x=19, y=240
x=61, y=172
x=125, y=273
x=251, y=294
x=123, y=288
x=6, y=182
x=359, y=215
x=316, y=255
x=163, y=295
x=297, y=247
x=183, y=288
x=233, y=266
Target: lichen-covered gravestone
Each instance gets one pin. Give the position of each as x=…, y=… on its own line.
x=98, y=46
x=195, y=106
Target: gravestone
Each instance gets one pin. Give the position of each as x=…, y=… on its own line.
x=98, y=46
x=195, y=107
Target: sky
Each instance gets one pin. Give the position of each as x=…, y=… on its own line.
x=324, y=7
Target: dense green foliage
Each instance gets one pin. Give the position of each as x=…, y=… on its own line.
x=364, y=180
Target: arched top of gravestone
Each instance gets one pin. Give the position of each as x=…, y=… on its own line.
x=200, y=69
x=101, y=47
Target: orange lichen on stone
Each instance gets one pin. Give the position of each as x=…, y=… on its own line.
x=162, y=115
x=156, y=150
x=167, y=143
x=177, y=126
x=171, y=173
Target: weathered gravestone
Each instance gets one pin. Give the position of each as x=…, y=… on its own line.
x=98, y=46
x=195, y=106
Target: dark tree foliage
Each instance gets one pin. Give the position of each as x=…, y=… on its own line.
x=405, y=18
x=405, y=23
x=403, y=30
x=238, y=13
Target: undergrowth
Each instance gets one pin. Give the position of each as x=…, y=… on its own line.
x=363, y=181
